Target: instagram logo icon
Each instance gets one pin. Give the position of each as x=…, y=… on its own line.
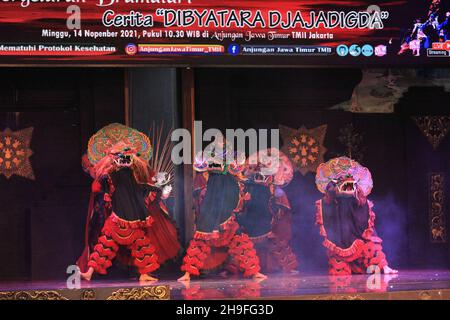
x=131, y=49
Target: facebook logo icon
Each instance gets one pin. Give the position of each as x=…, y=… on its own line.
x=233, y=49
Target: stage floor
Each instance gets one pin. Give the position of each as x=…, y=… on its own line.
x=414, y=284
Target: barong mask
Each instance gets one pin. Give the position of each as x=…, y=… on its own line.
x=122, y=155
x=117, y=146
x=219, y=157
x=344, y=177
x=269, y=166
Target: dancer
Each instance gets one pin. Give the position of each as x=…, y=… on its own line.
x=346, y=219
x=414, y=41
x=444, y=28
x=266, y=217
x=219, y=197
x=126, y=200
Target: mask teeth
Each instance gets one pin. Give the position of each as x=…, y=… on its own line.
x=347, y=187
x=260, y=178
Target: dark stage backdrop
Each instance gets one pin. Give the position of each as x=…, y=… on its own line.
x=422, y=161
x=42, y=221
x=393, y=148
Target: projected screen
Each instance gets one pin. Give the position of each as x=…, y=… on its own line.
x=229, y=32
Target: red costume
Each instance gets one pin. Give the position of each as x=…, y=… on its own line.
x=126, y=209
x=266, y=216
x=346, y=220
x=219, y=196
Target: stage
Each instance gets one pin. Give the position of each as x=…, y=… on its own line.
x=413, y=284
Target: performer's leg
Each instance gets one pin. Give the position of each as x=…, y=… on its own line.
x=231, y=268
x=242, y=251
x=195, y=258
x=145, y=257
x=101, y=259
x=357, y=266
x=374, y=257
x=266, y=261
x=338, y=267
x=282, y=253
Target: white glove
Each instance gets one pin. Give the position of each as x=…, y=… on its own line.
x=161, y=178
x=166, y=191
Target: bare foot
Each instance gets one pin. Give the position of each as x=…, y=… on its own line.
x=186, y=284
x=145, y=277
x=88, y=274
x=388, y=277
x=259, y=276
x=186, y=277
x=387, y=270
